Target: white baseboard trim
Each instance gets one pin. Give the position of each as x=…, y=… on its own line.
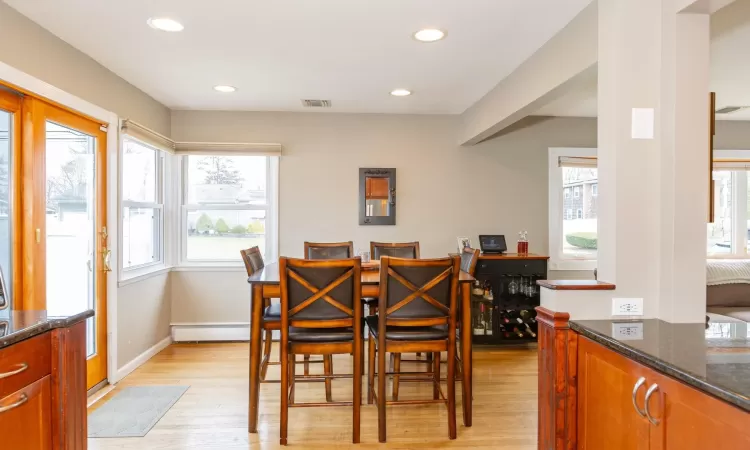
x=141, y=359
x=210, y=332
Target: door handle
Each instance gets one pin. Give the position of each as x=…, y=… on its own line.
x=23, y=399
x=651, y=390
x=106, y=257
x=641, y=381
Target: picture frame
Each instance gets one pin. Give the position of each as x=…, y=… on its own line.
x=463, y=242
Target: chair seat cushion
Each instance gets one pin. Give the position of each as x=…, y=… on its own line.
x=272, y=312
x=320, y=334
x=408, y=333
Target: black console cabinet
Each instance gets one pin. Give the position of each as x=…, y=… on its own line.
x=504, y=312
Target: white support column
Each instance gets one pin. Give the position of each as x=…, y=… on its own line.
x=653, y=186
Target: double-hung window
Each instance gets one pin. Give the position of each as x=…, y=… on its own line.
x=142, y=205
x=727, y=235
x=228, y=204
x=573, y=218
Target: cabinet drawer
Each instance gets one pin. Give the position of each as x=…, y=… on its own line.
x=25, y=417
x=24, y=363
x=522, y=267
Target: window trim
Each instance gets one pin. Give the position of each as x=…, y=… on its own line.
x=139, y=271
x=556, y=211
x=576, y=192
x=271, y=208
x=594, y=189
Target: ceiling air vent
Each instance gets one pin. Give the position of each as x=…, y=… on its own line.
x=316, y=103
x=730, y=109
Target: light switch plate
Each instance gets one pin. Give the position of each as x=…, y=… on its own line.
x=627, y=331
x=627, y=306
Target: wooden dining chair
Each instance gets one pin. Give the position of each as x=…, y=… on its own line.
x=399, y=249
x=253, y=259
x=417, y=312
x=329, y=250
x=321, y=313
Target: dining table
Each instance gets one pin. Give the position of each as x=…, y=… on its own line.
x=265, y=286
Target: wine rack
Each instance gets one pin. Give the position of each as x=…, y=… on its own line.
x=504, y=298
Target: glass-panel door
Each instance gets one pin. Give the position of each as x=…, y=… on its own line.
x=76, y=258
x=70, y=224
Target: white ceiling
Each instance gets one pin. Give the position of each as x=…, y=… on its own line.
x=730, y=69
x=277, y=52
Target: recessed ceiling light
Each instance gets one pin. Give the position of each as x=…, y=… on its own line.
x=429, y=35
x=400, y=92
x=225, y=88
x=164, y=24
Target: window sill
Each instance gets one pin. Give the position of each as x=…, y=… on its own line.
x=134, y=276
x=573, y=264
x=210, y=268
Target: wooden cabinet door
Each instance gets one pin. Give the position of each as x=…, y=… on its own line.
x=607, y=418
x=689, y=419
x=379, y=188
x=25, y=424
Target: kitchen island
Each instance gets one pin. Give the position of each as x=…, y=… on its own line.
x=43, y=380
x=643, y=384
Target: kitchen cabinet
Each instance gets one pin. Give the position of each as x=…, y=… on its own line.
x=606, y=415
x=25, y=417
x=612, y=411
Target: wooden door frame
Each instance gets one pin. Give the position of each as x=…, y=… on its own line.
x=13, y=103
x=29, y=85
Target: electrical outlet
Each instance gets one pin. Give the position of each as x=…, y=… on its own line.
x=627, y=331
x=627, y=306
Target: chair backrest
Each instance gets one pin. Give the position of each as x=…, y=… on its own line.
x=408, y=250
x=253, y=259
x=418, y=292
x=329, y=250
x=320, y=293
x=469, y=259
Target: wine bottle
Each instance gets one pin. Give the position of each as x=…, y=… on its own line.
x=525, y=315
x=488, y=322
x=518, y=332
x=513, y=317
x=478, y=326
x=529, y=331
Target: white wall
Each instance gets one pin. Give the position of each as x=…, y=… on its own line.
x=443, y=190
x=34, y=50
x=143, y=316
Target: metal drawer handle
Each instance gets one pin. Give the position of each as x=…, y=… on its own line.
x=650, y=391
x=20, y=402
x=23, y=367
x=637, y=386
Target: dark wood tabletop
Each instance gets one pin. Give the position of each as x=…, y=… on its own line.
x=576, y=285
x=270, y=275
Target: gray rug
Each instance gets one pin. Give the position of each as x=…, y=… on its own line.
x=133, y=411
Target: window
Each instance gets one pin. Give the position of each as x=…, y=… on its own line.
x=142, y=204
x=227, y=206
x=573, y=218
x=729, y=234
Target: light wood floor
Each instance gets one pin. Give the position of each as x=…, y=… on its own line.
x=212, y=415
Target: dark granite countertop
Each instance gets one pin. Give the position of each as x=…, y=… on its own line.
x=15, y=326
x=714, y=359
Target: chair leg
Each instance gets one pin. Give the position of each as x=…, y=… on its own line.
x=436, y=376
x=328, y=370
x=284, y=412
x=370, y=368
x=357, y=388
x=307, y=364
x=396, y=368
x=451, y=392
x=292, y=377
x=381, y=392
x=267, y=341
